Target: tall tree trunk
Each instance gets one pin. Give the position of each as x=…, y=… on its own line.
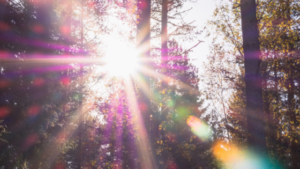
x=143, y=44
x=69, y=20
x=291, y=93
x=253, y=79
x=164, y=31
x=143, y=41
x=276, y=132
x=164, y=62
x=292, y=114
x=143, y=26
x=270, y=123
x=79, y=165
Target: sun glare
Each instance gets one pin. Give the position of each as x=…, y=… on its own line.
x=121, y=59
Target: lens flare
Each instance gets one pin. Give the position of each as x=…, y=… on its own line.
x=30, y=140
x=234, y=157
x=65, y=81
x=4, y=111
x=38, y=82
x=33, y=110
x=38, y=28
x=3, y=54
x=4, y=26
x=60, y=165
x=172, y=165
x=199, y=128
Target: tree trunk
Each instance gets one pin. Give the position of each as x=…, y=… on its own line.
x=292, y=114
x=270, y=124
x=79, y=165
x=164, y=31
x=291, y=93
x=253, y=80
x=143, y=44
x=164, y=62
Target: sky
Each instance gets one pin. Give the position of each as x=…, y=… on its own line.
x=202, y=11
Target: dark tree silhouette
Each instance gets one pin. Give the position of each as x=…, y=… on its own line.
x=253, y=79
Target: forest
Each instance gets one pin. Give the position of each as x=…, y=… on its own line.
x=112, y=84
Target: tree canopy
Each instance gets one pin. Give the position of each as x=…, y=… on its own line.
x=90, y=84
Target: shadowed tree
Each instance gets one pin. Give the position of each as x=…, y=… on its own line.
x=253, y=79
x=143, y=45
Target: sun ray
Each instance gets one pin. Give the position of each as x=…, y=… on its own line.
x=144, y=148
x=119, y=132
x=52, y=59
x=143, y=86
x=51, y=150
x=168, y=79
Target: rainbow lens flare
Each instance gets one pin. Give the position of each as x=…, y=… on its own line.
x=199, y=128
x=234, y=157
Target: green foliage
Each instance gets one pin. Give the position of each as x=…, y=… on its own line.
x=179, y=99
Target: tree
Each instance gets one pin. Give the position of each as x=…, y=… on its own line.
x=28, y=35
x=274, y=49
x=174, y=95
x=39, y=99
x=143, y=44
x=254, y=101
x=180, y=100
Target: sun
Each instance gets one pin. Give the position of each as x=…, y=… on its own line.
x=121, y=59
